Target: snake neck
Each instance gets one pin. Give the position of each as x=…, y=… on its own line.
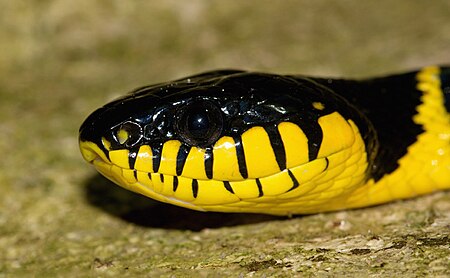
x=401, y=109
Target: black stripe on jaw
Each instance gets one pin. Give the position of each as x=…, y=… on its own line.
x=240, y=156
x=209, y=162
x=175, y=183
x=260, y=190
x=101, y=146
x=314, y=134
x=194, y=188
x=228, y=186
x=277, y=146
x=156, y=151
x=295, y=183
x=132, y=156
x=182, y=155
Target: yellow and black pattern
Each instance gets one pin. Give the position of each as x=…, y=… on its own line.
x=241, y=142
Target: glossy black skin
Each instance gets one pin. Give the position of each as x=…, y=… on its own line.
x=382, y=108
x=390, y=104
x=245, y=100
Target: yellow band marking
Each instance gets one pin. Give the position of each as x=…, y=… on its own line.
x=169, y=157
x=167, y=187
x=304, y=174
x=212, y=192
x=120, y=158
x=128, y=175
x=245, y=189
x=195, y=164
x=337, y=134
x=259, y=155
x=158, y=185
x=144, y=160
x=276, y=184
x=144, y=179
x=225, y=166
x=184, y=190
x=295, y=144
x=426, y=166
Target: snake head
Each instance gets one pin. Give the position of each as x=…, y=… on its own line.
x=222, y=140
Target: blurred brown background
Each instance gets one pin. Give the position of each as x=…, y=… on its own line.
x=62, y=59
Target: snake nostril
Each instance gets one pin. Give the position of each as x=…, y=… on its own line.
x=128, y=134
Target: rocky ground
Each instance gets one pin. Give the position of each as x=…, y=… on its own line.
x=62, y=59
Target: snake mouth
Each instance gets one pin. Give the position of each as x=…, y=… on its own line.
x=94, y=155
x=135, y=171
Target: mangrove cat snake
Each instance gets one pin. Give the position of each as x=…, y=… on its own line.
x=236, y=141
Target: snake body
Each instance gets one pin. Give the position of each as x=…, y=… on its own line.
x=236, y=141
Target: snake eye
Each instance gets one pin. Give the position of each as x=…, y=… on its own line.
x=128, y=134
x=200, y=123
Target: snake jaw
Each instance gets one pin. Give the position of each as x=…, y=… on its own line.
x=250, y=142
x=94, y=155
x=91, y=152
x=262, y=158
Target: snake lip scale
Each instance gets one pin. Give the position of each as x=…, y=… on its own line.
x=237, y=141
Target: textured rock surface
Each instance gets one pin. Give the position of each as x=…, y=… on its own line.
x=62, y=59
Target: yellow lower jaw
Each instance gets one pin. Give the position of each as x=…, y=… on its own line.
x=320, y=182
x=118, y=176
x=307, y=188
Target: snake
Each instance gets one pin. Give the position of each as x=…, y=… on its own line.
x=254, y=142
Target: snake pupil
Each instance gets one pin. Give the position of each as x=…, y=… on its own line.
x=200, y=123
